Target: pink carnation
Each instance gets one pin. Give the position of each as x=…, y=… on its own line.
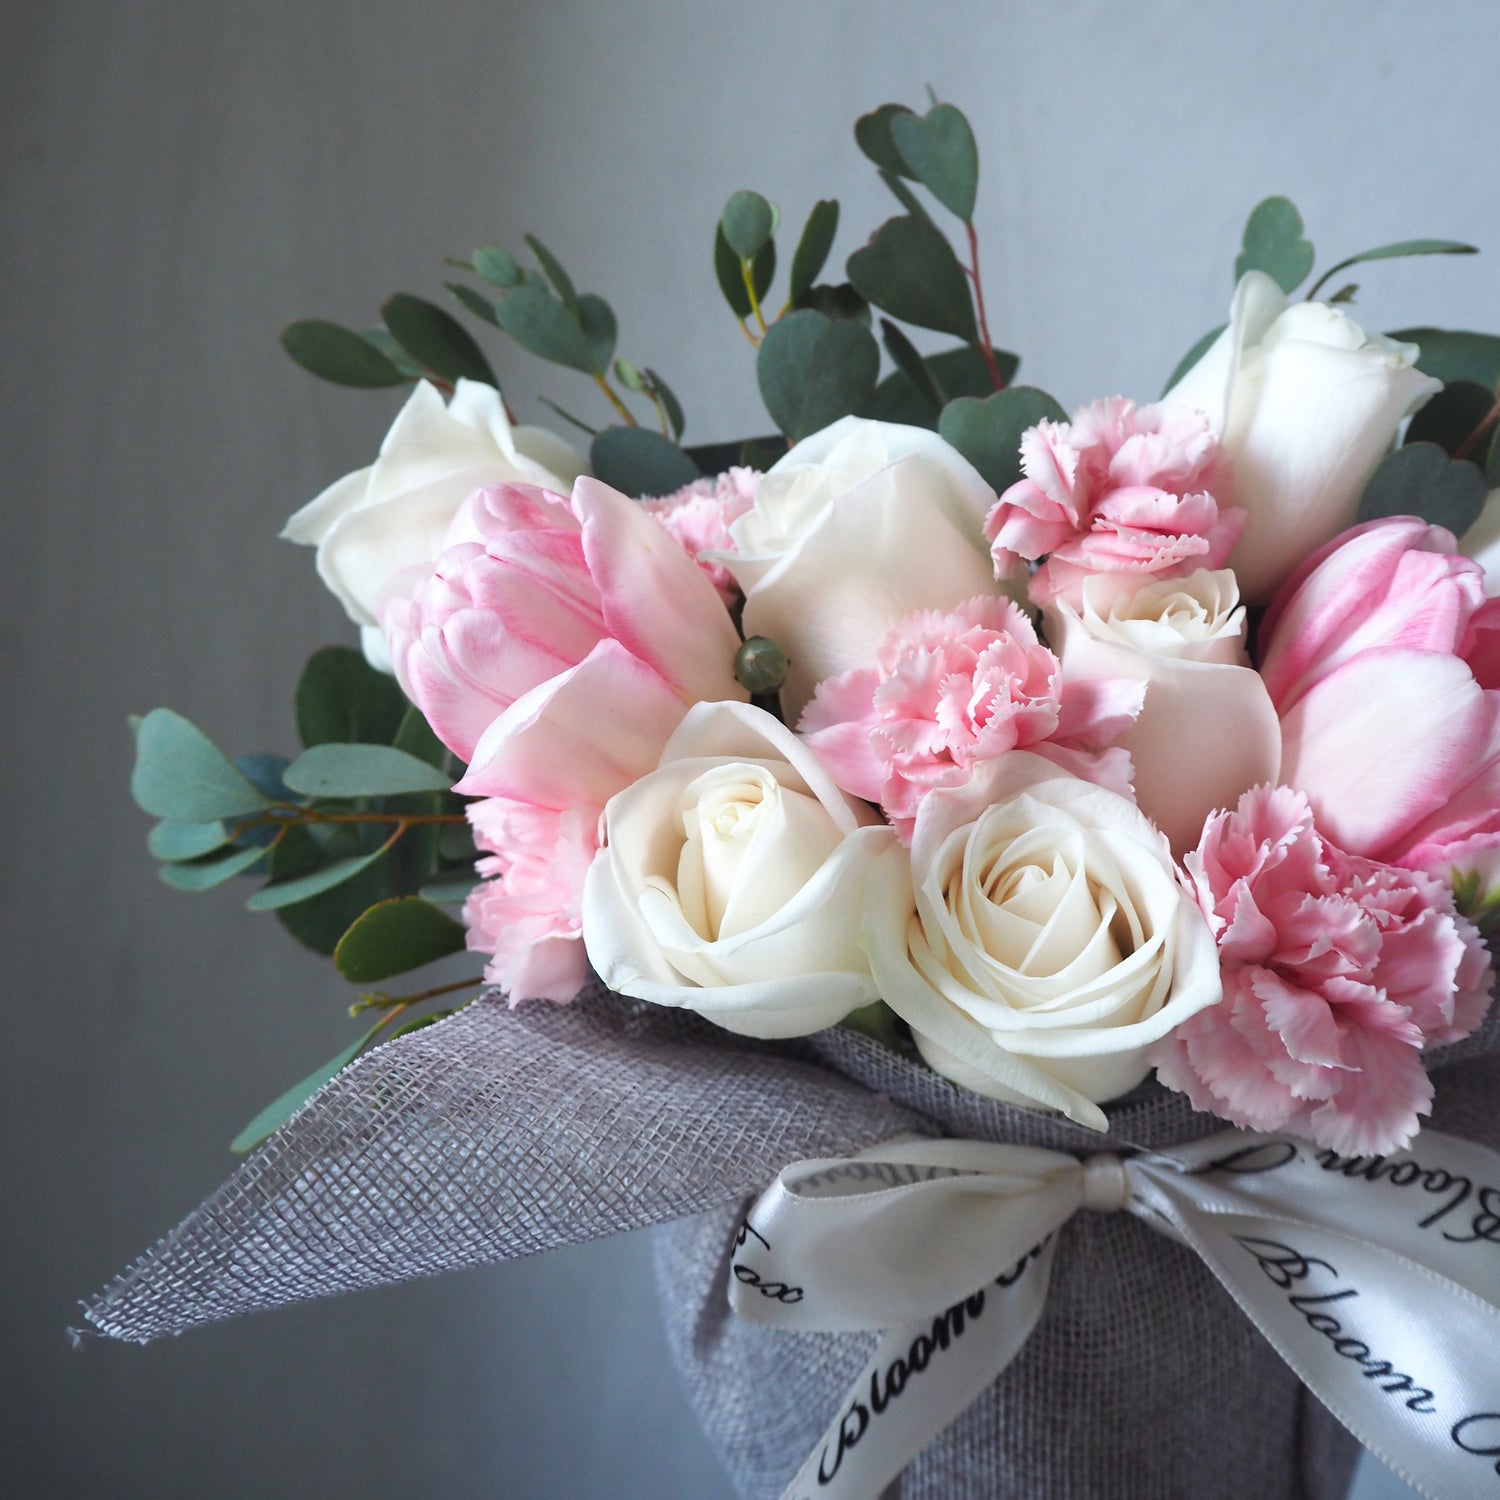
x=699, y=516
x=951, y=689
x=1119, y=489
x=1338, y=972
x=528, y=913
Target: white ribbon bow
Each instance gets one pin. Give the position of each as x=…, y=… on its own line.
x=1377, y=1279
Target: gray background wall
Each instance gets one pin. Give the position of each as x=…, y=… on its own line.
x=178, y=181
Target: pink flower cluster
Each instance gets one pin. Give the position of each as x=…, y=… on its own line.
x=950, y=689
x=1119, y=489
x=699, y=516
x=1338, y=972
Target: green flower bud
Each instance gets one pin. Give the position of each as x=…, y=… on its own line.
x=760, y=665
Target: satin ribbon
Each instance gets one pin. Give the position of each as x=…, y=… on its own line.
x=1377, y=1279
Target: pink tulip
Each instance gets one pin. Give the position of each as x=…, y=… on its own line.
x=1367, y=656
x=1119, y=489
x=530, y=583
x=1338, y=972
x=699, y=516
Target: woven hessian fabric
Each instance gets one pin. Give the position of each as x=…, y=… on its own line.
x=499, y=1133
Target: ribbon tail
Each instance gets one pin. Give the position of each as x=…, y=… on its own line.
x=1403, y=1356
x=921, y=1378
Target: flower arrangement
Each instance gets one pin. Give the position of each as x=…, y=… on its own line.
x=1050, y=753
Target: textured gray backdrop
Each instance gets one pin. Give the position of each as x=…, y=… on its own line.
x=179, y=179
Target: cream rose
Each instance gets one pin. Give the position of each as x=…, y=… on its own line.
x=1042, y=943
x=855, y=528
x=1306, y=404
x=379, y=527
x=1208, y=729
x=732, y=880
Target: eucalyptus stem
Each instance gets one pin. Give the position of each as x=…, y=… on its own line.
x=749, y=278
x=614, y=401
x=1486, y=422
x=379, y=1000
x=986, y=350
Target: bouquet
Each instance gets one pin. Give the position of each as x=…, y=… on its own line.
x=941, y=817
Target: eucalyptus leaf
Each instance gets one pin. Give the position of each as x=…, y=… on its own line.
x=959, y=372
x=396, y=937
x=988, y=432
x=539, y=322
x=1193, y=355
x=812, y=370
x=468, y=298
x=761, y=454
x=872, y=133
x=1451, y=354
x=172, y=841
x=450, y=890
x=379, y=337
x=1450, y=418
x=910, y=271
x=553, y=271
x=498, y=267
x=1399, y=250
x=748, y=222
x=205, y=874
x=940, y=151
x=1419, y=479
x=182, y=776
x=414, y=737
x=1274, y=243
x=341, y=699
x=628, y=376
x=279, y=1111
x=436, y=339
x=670, y=404
x=354, y=770
x=568, y=416
x=637, y=461
x=905, y=197
x=338, y=354
x=730, y=278
x=763, y=270
x=597, y=320
x=910, y=363
x=835, y=301
x=319, y=922
x=314, y=883
x=812, y=249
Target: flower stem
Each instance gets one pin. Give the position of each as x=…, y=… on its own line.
x=1486, y=422
x=986, y=350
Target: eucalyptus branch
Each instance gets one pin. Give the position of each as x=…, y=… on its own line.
x=986, y=349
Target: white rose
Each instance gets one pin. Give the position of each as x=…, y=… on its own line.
x=1306, y=403
x=732, y=880
x=855, y=528
x=379, y=526
x=1482, y=542
x=1043, y=942
x=1208, y=729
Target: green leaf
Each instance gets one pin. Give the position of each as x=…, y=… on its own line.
x=748, y=222
x=988, y=432
x=760, y=453
x=450, y=890
x=394, y=938
x=539, y=322
x=878, y=1022
x=1400, y=249
x=910, y=363
x=812, y=249
x=838, y=301
x=354, y=770
x=1274, y=243
x=205, y=874
x=909, y=270
x=436, y=339
x=670, y=404
x=430, y=1019
x=959, y=372
x=182, y=776
x=481, y=307
x=763, y=270
x=628, y=376
x=731, y=280
x=906, y=198
x=1193, y=355
x=597, y=320
x=873, y=134
x=568, y=416
x=639, y=462
x=318, y=923
x=940, y=151
x=552, y=269
x=279, y=1111
x=1449, y=354
x=263, y=771
x=1419, y=479
x=498, y=267
x=1450, y=417
x=380, y=338
x=338, y=354
x=812, y=370
x=289, y=892
x=186, y=840
x=415, y=737
x=342, y=699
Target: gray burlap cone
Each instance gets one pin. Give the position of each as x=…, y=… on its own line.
x=494, y=1134
x=1143, y=1381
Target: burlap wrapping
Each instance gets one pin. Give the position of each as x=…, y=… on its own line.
x=500, y=1133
